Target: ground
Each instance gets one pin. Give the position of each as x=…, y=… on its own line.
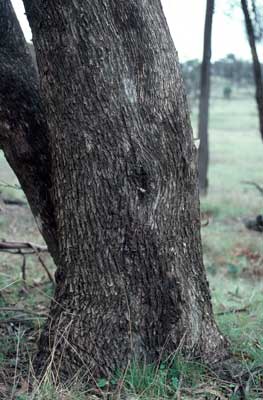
x=233, y=258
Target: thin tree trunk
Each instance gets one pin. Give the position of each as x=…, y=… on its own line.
x=130, y=278
x=203, y=159
x=256, y=63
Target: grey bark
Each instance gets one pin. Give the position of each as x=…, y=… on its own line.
x=130, y=277
x=23, y=126
x=203, y=159
x=256, y=63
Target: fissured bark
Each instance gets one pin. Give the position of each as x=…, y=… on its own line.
x=130, y=277
x=23, y=125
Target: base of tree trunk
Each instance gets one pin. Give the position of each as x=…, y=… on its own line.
x=97, y=351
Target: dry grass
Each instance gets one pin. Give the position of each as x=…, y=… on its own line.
x=233, y=258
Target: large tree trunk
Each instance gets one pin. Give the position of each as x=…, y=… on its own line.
x=203, y=158
x=130, y=278
x=256, y=63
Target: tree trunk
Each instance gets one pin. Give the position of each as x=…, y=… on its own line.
x=203, y=158
x=23, y=125
x=130, y=277
x=256, y=63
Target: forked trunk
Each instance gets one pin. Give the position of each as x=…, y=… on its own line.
x=130, y=278
x=203, y=158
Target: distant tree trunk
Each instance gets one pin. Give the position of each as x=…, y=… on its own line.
x=130, y=277
x=256, y=63
x=203, y=158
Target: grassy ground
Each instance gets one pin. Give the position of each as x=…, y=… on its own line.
x=233, y=258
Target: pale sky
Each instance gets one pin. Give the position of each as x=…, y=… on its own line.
x=186, y=21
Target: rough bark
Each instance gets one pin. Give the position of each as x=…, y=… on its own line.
x=23, y=126
x=203, y=158
x=256, y=63
x=130, y=278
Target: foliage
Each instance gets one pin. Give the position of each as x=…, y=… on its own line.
x=234, y=71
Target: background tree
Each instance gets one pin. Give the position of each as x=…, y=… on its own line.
x=191, y=75
x=231, y=69
x=254, y=33
x=203, y=158
x=119, y=167
x=234, y=70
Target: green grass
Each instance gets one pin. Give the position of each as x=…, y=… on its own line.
x=233, y=258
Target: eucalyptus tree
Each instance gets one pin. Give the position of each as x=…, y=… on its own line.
x=203, y=159
x=253, y=16
x=102, y=144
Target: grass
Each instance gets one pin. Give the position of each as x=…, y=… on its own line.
x=233, y=258
x=9, y=186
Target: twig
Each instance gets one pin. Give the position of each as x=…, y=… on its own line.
x=234, y=311
x=23, y=268
x=7, y=185
x=257, y=186
x=51, y=278
x=21, y=318
x=22, y=310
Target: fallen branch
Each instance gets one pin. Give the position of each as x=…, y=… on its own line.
x=26, y=248
x=22, y=247
x=234, y=311
x=14, y=202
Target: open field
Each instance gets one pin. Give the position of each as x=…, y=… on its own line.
x=233, y=258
